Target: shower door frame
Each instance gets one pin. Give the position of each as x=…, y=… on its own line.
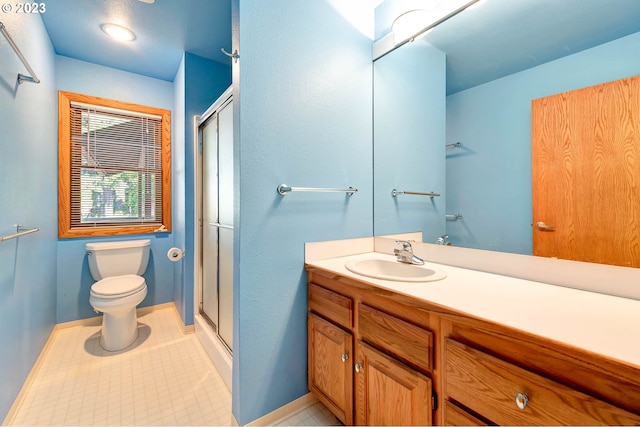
x=198, y=121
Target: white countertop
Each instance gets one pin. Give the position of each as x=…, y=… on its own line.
x=604, y=324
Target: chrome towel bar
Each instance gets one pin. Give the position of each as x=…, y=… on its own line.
x=21, y=77
x=395, y=193
x=453, y=217
x=454, y=145
x=283, y=189
x=19, y=232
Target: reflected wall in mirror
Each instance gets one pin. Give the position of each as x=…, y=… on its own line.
x=409, y=130
x=500, y=55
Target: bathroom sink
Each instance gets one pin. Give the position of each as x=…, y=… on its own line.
x=394, y=270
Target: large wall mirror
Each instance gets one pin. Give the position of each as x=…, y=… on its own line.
x=452, y=112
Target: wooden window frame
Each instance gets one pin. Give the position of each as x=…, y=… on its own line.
x=65, y=229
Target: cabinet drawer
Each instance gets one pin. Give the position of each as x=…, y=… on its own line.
x=332, y=306
x=406, y=341
x=456, y=416
x=490, y=386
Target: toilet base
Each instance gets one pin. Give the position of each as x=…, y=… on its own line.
x=119, y=319
x=119, y=330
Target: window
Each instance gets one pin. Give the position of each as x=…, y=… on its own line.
x=114, y=170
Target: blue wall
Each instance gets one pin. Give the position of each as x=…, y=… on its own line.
x=489, y=179
x=303, y=104
x=204, y=82
x=178, y=123
x=74, y=279
x=409, y=140
x=28, y=196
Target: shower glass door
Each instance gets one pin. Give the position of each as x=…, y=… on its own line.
x=216, y=136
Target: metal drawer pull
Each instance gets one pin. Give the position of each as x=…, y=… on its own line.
x=540, y=225
x=522, y=400
x=358, y=367
x=344, y=357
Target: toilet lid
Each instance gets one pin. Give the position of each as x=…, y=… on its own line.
x=118, y=286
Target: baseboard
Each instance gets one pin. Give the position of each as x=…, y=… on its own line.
x=97, y=320
x=286, y=411
x=89, y=321
x=187, y=329
x=13, y=411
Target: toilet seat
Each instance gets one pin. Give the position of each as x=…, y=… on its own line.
x=118, y=286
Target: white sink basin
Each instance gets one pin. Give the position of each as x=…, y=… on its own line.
x=394, y=270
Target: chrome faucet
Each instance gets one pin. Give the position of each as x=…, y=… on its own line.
x=406, y=253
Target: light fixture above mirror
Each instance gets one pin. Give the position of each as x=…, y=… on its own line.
x=411, y=24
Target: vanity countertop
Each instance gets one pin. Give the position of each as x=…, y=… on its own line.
x=603, y=324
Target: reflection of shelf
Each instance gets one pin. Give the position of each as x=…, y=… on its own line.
x=453, y=217
x=395, y=193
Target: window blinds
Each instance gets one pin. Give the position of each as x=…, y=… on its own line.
x=116, y=167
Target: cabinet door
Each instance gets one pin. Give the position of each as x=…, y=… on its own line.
x=330, y=375
x=388, y=392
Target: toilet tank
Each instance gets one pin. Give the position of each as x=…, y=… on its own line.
x=108, y=259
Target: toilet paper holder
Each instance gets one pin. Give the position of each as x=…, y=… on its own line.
x=175, y=254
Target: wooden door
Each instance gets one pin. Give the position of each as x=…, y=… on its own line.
x=586, y=174
x=330, y=361
x=389, y=392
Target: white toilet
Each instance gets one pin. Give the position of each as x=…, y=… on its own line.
x=117, y=267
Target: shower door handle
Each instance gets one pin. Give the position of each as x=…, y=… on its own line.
x=218, y=225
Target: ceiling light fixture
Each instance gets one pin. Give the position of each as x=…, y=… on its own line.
x=118, y=32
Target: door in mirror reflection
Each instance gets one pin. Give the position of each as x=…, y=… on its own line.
x=586, y=174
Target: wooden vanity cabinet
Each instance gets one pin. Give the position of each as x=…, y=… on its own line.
x=385, y=380
x=415, y=362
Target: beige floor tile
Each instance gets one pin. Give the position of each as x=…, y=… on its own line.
x=164, y=378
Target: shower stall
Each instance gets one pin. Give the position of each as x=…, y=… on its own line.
x=214, y=232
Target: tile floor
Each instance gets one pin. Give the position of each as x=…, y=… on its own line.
x=316, y=415
x=165, y=378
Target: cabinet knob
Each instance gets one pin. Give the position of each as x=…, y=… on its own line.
x=522, y=400
x=358, y=367
x=344, y=357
